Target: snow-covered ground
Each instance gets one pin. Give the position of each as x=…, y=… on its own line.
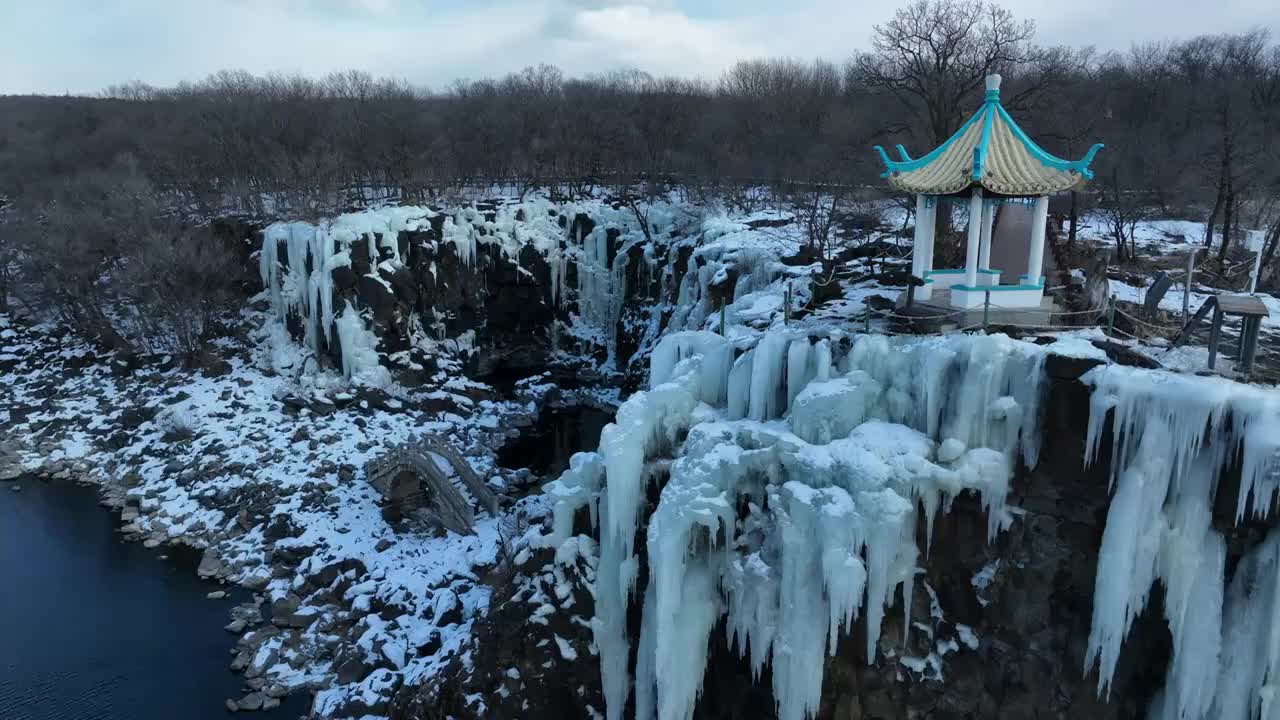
x=268, y=481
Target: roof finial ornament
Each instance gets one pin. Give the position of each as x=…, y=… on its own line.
x=993, y=87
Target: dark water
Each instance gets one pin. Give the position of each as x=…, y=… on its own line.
x=95, y=628
x=546, y=446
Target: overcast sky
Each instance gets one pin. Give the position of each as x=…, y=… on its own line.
x=81, y=46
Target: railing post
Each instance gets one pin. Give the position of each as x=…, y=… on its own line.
x=866, y=319
x=1186, y=285
x=786, y=311
x=1111, y=316
x=986, y=310
x=723, y=330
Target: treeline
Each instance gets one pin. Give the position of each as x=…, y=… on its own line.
x=1192, y=122
x=1192, y=128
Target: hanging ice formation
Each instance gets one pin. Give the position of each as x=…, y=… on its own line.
x=602, y=286
x=790, y=508
x=312, y=253
x=304, y=286
x=1172, y=436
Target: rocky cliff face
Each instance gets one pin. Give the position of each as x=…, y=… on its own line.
x=1027, y=598
x=498, y=287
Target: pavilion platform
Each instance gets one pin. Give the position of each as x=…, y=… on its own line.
x=924, y=314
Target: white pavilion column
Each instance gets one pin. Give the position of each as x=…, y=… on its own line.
x=917, y=240
x=975, y=239
x=927, y=222
x=1035, y=256
x=984, y=252
x=930, y=227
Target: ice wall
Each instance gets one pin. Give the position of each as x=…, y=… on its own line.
x=303, y=286
x=1173, y=437
x=297, y=261
x=790, y=507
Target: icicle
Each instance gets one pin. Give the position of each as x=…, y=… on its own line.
x=644, y=422
x=359, y=350
x=1250, y=669
x=799, y=368
x=717, y=356
x=740, y=385
x=767, y=376
x=822, y=360
x=1171, y=437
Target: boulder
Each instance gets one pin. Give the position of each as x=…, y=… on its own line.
x=1125, y=355
x=252, y=701
x=210, y=565
x=281, y=526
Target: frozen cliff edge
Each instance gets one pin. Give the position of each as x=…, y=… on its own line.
x=791, y=504
x=1173, y=437
x=792, y=474
x=396, y=289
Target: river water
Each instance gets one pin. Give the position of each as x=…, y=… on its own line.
x=93, y=628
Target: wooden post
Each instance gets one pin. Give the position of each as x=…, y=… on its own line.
x=1186, y=286
x=723, y=330
x=1111, y=316
x=1249, y=342
x=786, y=311
x=1215, y=333
x=866, y=319
x=986, y=310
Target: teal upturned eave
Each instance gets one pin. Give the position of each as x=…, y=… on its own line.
x=1081, y=166
x=907, y=165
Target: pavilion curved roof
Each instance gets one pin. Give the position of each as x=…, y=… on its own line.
x=990, y=151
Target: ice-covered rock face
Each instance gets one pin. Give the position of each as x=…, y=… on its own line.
x=1173, y=436
x=419, y=279
x=584, y=276
x=799, y=472
x=791, y=505
x=334, y=277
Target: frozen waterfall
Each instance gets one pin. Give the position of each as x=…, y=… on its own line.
x=790, y=508
x=1173, y=437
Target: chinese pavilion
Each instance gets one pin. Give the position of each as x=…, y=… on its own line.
x=989, y=161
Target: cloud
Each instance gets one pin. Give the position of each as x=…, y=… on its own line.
x=657, y=41
x=84, y=45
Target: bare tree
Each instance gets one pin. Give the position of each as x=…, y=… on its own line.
x=934, y=54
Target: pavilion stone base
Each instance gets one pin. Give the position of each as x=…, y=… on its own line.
x=942, y=316
x=1002, y=296
x=947, y=279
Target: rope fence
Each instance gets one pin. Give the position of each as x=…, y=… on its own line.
x=893, y=322
x=1147, y=323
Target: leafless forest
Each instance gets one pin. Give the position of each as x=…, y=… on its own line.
x=1191, y=127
